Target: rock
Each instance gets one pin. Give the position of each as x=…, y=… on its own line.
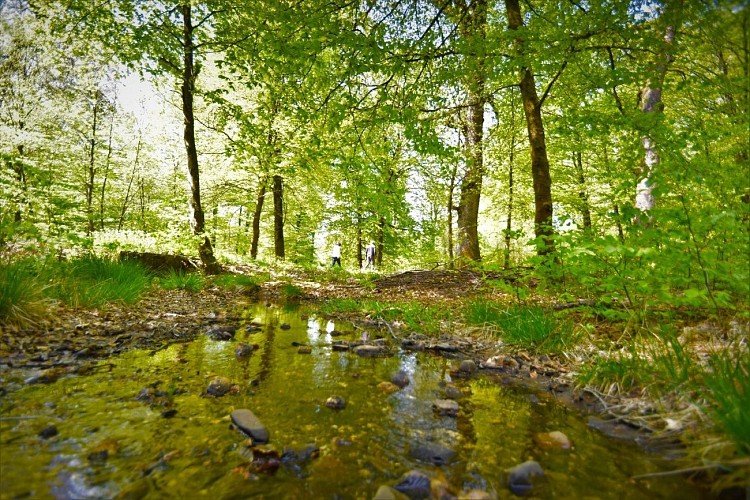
x=246, y=421
x=219, y=386
x=340, y=345
x=388, y=387
x=304, y=349
x=242, y=350
x=368, y=350
x=335, y=333
x=501, y=362
x=467, y=366
x=220, y=333
x=335, y=402
x=285, y=326
x=412, y=345
x=414, y=484
x=554, y=439
x=445, y=407
x=266, y=460
x=520, y=477
x=476, y=495
x=388, y=493
x=432, y=452
x=48, y=432
x=453, y=392
x=400, y=378
x=169, y=413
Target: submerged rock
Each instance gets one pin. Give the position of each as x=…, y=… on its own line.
x=246, y=421
x=467, y=366
x=521, y=477
x=219, y=386
x=340, y=345
x=220, y=332
x=445, y=407
x=387, y=493
x=336, y=402
x=242, y=350
x=304, y=349
x=433, y=453
x=554, y=439
x=414, y=484
x=48, y=432
x=368, y=350
x=388, y=387
x=400, y=378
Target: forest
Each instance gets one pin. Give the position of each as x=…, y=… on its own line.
x=580, y=168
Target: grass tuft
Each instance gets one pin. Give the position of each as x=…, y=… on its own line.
x=179, y=280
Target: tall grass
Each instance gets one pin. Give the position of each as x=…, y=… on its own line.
x=27, y=286
x=529, y=327
x=727, y=391
x=92, y=281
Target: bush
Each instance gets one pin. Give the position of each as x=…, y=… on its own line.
x=21, y=294
x=180, y=280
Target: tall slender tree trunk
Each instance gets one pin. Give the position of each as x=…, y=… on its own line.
x=256, y=219
x=360, y=242
x=278, y=216
x=472, y=27
x=91, y=174
x=650, y=101
x=509, y=221
x=105, y=176
x=451, y=208
x=532, y=107
x=20, y=171
x=582, y=193
x=381, y=242
x=205, y=249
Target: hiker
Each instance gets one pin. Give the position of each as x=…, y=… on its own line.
x=370, y=255
x=336, y=255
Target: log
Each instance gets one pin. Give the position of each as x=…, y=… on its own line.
x=159, y=262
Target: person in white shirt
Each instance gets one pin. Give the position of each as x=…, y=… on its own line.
x=370, y=255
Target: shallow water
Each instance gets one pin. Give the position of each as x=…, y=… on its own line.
x=110, y=443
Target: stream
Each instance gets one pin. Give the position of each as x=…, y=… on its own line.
x=144, y=425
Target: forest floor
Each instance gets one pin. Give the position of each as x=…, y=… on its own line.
x=74, y=340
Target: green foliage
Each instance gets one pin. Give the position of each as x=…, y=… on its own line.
x=528, y=327
x=727, y=392
x=180, y=280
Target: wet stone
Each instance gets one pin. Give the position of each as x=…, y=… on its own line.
x=387, y=493
x=220, y=333
x=521, y=477
x=467, y=366
x=340, y=345
x=388, y=387
x=246, y=421
x=453, y=392
x=48, y=432
x=368, y=350
x=285, y=326
x=445, y=407
x=242, y=350
x=304, y=349
x=432, y=452
x=412, y=345
x=219, y=386
x=554, y=439
x=336, y=402
x=414, y=484
x=400, y=378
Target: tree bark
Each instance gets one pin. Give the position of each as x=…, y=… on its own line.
x=472, y=28
x=256, y=219
x=582, y=193
x=205, y=249
x=92, y=169
x=532, y=107
x=278, y=216
x=650, y=101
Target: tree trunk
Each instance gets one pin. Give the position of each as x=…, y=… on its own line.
x=381, y=242
x=472, y=27
x=582, y=194
x=451, y=189
x=205, y=249
x=105, y=177
x=92, y=170
x=256, y=219
x=532, y=107
x=650, y=101
x=278, y=216
x=359, y=242
x=509, y=222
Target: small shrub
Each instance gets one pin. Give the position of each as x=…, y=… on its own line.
x=241, y=282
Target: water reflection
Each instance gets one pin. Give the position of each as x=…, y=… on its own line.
x=375, y=439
